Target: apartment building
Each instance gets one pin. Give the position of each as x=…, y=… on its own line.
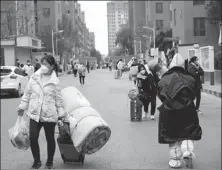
x=92, y=40
x=49, y=15
x=189, y=24
x=117, y=14
x=150, y=14
x=83, y=16
x=18, y=38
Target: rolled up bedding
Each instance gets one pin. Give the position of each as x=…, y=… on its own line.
x=89, y=132
x=73, y=99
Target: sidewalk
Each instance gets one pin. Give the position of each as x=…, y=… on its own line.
x=212, y=89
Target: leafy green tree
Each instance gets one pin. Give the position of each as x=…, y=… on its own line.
x=125, y=39
x=69, y=39
x=214, y=13
x=97, y=54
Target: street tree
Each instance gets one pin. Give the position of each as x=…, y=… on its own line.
x=97, y=54
x=69, y=39
x=17, y=17
x=214, y=13
x=125, y=39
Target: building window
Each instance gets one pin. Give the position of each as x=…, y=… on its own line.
x=46, y=12
x=199, y=26
x=198, y=2
x=159, y=7
x=175, y=19
x=159, y=24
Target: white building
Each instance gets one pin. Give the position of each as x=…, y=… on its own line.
x=117, y=15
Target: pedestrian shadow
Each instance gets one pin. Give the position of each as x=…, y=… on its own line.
x=70, y=165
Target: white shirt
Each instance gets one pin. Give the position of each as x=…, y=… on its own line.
x=29, y=70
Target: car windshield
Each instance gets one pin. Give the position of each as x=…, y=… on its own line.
x=5, y=72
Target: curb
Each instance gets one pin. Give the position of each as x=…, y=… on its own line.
x=214, y=93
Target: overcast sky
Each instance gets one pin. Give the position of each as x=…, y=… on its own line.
x=96, y=21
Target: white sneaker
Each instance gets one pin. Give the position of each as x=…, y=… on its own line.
x=152, y=117
x=175, y=164
x=145, y=115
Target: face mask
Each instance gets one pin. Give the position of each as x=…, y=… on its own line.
x=44, y=69
x=143, y=72
x=29, y=64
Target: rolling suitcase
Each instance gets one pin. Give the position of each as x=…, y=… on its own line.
x=116, y=74
x=135, y=110
x=66, y=147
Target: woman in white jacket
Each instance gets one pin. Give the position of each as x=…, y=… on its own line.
x=43, y=102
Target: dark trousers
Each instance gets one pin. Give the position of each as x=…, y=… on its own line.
x=75, y=72
x=82, y=79
x=34, y=130
x=88, y=69
x=198, y=98
x=146, y=103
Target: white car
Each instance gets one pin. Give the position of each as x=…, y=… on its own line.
x=13, y=80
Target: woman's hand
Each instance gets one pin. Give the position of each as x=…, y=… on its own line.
x=20, y=112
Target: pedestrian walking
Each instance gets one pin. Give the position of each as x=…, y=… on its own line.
x=178, y=119
x=134, y=70
x=29, y=69
x=43, y=102
x=147, y=89
x=75, y=69
x=120, y=67
x=82, y=74
x=37, y=65
x=17, y=63
x=196, y=71
x=88, y=66
x=110, y=65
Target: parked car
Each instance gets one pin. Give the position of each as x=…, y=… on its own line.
x=13, y=80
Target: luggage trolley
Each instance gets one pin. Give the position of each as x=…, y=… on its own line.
x=66, y=147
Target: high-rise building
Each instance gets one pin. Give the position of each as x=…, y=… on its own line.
x=83, y=16
x=189, y=23
x=148, y=14
x=92, y=40
x=117, y=15
x=49, y=16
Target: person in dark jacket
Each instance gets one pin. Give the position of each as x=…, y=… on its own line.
x=196, y=71
x=147, y=90
x=178, y=119
x=37, y=65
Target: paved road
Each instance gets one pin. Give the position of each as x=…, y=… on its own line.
x=132, y=145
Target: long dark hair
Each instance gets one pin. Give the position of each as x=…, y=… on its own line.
x=52, y=62
x=193, y=59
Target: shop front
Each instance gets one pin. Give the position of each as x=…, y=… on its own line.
x=18, y=48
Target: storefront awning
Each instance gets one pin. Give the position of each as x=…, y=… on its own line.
x=29, y=42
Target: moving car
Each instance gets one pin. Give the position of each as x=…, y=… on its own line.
x=13, y=80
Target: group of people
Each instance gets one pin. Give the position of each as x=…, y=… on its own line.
x=28, y=69
x=177, y=85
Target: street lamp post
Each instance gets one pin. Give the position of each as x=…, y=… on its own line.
x=53, y=50
x=154, y=35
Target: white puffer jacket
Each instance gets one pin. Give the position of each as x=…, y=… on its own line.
x=43, y=102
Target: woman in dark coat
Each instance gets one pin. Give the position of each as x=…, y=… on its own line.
x=178, y=120
x=147, y=88
x=196, y=71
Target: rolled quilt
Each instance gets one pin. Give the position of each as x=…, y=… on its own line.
x=73, y=99
x=89, y=132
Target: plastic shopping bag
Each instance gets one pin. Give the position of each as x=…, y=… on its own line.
x=19, y=134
